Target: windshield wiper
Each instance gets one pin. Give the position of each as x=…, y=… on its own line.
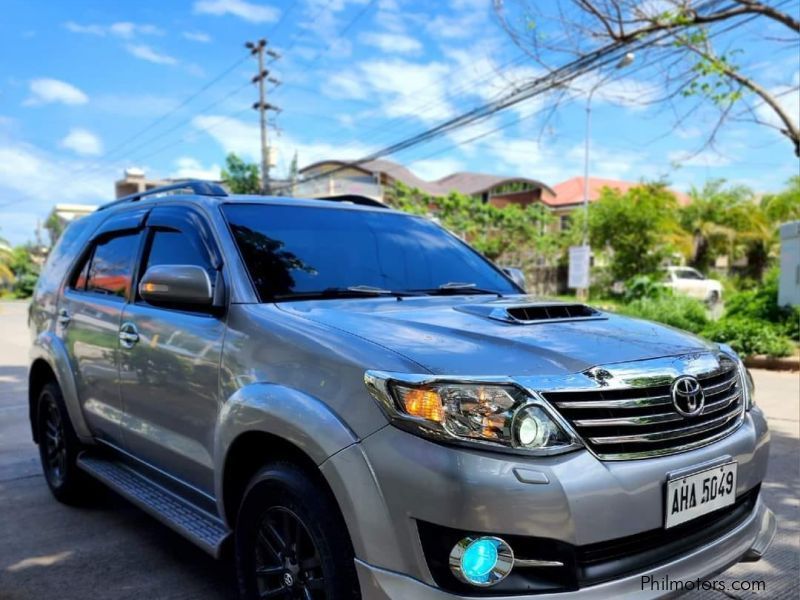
x=460, y=287
x=353, y=291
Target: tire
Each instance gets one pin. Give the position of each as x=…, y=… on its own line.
x=290, y=530
x=59, y=447
x=713, y=298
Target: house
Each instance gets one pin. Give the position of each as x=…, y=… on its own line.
x=569, y=196
x=336, y=178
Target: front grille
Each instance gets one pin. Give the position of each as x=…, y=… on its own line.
x=639, y=422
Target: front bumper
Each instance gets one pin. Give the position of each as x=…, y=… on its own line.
x=392, y=480
x=746, y=541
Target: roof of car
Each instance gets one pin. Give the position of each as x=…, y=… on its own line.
x=209, y=193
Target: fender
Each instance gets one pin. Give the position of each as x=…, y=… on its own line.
x=298, y=418
x=50, y=348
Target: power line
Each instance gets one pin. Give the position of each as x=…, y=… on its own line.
x=556, y=78
x=168, y=113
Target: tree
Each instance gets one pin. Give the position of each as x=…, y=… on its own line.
x=241, y=177
x=712, y=220
x=680, y=38
x=6, y=274
x=783, y=206
x=25, y=270
x=636, y=227
x=55, y=227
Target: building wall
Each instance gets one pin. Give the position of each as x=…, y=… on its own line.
x=522, y=199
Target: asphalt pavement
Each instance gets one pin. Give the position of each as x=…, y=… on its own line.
x=112, y=550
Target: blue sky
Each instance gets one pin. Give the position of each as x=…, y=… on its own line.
x=78, y=79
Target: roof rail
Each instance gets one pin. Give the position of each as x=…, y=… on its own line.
x=354, y=199
x=200, y=188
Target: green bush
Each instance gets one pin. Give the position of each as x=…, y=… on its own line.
x=750, y=336
x=644, y=286
x=675, y=310
x=761, y=304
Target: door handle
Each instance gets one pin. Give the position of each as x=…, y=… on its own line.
x=128, y=335
x=63, y=317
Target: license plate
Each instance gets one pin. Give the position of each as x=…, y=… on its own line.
x=700, y=493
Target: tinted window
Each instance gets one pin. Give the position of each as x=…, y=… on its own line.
x=689, y=274
x=298, y=249
x=111, y=268
x=178, y=248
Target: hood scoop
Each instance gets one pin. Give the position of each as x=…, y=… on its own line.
x=536, y=312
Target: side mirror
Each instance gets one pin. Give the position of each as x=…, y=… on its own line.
x=517, y=276
x=177, y=284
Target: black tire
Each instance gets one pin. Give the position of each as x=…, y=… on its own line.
x=59, y=447
x=290, y=531
x=713, y=298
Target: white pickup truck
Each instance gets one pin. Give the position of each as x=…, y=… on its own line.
x=692, y=282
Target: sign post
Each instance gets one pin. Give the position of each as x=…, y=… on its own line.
x=578, y=278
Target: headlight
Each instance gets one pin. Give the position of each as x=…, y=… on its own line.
x=498, y=415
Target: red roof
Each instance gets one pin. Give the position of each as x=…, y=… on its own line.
x=571, y=191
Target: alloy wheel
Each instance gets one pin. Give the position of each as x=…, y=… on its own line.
x=287, y=561
x=54, y=442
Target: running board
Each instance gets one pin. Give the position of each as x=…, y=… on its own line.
x=198, y=526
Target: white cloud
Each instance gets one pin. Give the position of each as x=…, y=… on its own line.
x=122, y=29
x=464, y=19
x=197, y=36
x=436, y=168
x=249, y=11
x=145, y=52
x=28, y=178
x=392, y=42
x=48, y=91
x=83, y=142
x=788, y=98
x=401, y=88
x=187, y=167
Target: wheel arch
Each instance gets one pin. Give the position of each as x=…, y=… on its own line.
x=264, y=422
x=50, y=362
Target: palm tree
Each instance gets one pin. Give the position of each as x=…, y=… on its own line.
x=708, y=220
x=6, y=274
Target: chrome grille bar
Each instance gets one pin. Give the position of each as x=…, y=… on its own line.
x=671, y=450
x=643, y=420
x=629, y=403
x=720, y=404
x=671, y=434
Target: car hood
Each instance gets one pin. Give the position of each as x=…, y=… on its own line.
x=455, y=335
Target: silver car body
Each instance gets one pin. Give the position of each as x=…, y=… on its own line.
x=194, y=385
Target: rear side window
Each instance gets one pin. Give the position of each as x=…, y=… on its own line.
x=109, y=268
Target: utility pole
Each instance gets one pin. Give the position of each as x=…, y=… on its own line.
x=258, y=49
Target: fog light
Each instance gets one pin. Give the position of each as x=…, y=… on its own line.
x=481, y=561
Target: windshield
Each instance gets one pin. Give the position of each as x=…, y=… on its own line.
x=299, y=251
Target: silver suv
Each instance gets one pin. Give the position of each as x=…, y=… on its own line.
x=358, y=405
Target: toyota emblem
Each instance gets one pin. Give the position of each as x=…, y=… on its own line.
x=687, y=396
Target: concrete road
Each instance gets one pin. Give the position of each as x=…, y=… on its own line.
x=112, y=550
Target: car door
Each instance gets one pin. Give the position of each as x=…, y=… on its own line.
x=89, y=316
x=169, y=364
x=693, y=283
